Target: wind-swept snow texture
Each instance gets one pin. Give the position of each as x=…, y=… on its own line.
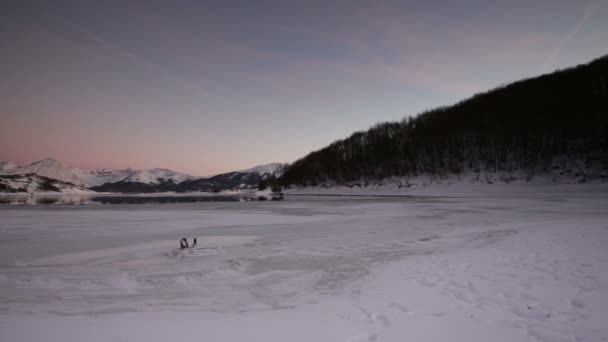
x=528, y=264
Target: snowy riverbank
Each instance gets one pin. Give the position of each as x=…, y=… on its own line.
x=450, y=187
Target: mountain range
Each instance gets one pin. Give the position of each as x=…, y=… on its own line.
x=30, y=177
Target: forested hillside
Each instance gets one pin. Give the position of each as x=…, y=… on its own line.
x=555, y=121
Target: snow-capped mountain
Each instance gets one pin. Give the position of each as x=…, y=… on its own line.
x=49, y=168
x=154, y=176
x=244, y=179
x=166, y=174
x=101, y=176
x=7, y=166
x=161, y=180
x=144, y=177
x=32, y=183
x=275, y=169
x=158, y=175
x=54, y=169
x=131, y=180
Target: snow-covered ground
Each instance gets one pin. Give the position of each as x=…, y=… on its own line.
x=275, y=169
x=455, y=264
x=467, y=182
x=29, y=184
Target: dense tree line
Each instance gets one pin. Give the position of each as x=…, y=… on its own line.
x=528, y=125
x=271, y=183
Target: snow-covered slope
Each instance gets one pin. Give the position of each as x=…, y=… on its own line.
x=272, y=169
x=50, y=168
x=32, y=183
x=54, y=169
x=101, y=176
x=166, y=174
x=142, y=177
x=157, y=180
x=156, y=176
x=426, y=183
x=132, y=180
x=7, y=167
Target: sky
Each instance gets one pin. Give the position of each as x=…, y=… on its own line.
x=205, y=87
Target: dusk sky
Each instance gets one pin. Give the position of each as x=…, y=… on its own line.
x=205, y=87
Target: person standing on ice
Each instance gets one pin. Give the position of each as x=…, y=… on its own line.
x=183, y=243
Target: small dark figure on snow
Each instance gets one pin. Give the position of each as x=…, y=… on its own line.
x=183, y=243
x=194, y=242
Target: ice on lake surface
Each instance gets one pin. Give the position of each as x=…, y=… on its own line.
x=528, y=265
x=120, y=199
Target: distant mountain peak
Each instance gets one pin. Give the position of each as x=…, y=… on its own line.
x=51, y=161
x=50, y=168
x=142, y=177
x=167, y=174
x=272, y=168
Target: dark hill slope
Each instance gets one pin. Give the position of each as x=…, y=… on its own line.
x=559, y=120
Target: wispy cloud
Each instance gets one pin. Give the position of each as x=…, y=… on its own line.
x=550, y=60
x=138, y=59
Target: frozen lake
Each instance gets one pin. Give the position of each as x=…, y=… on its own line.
x=153, y=198
x=526, y=265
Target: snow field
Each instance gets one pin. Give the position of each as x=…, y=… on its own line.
x=521, y=265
